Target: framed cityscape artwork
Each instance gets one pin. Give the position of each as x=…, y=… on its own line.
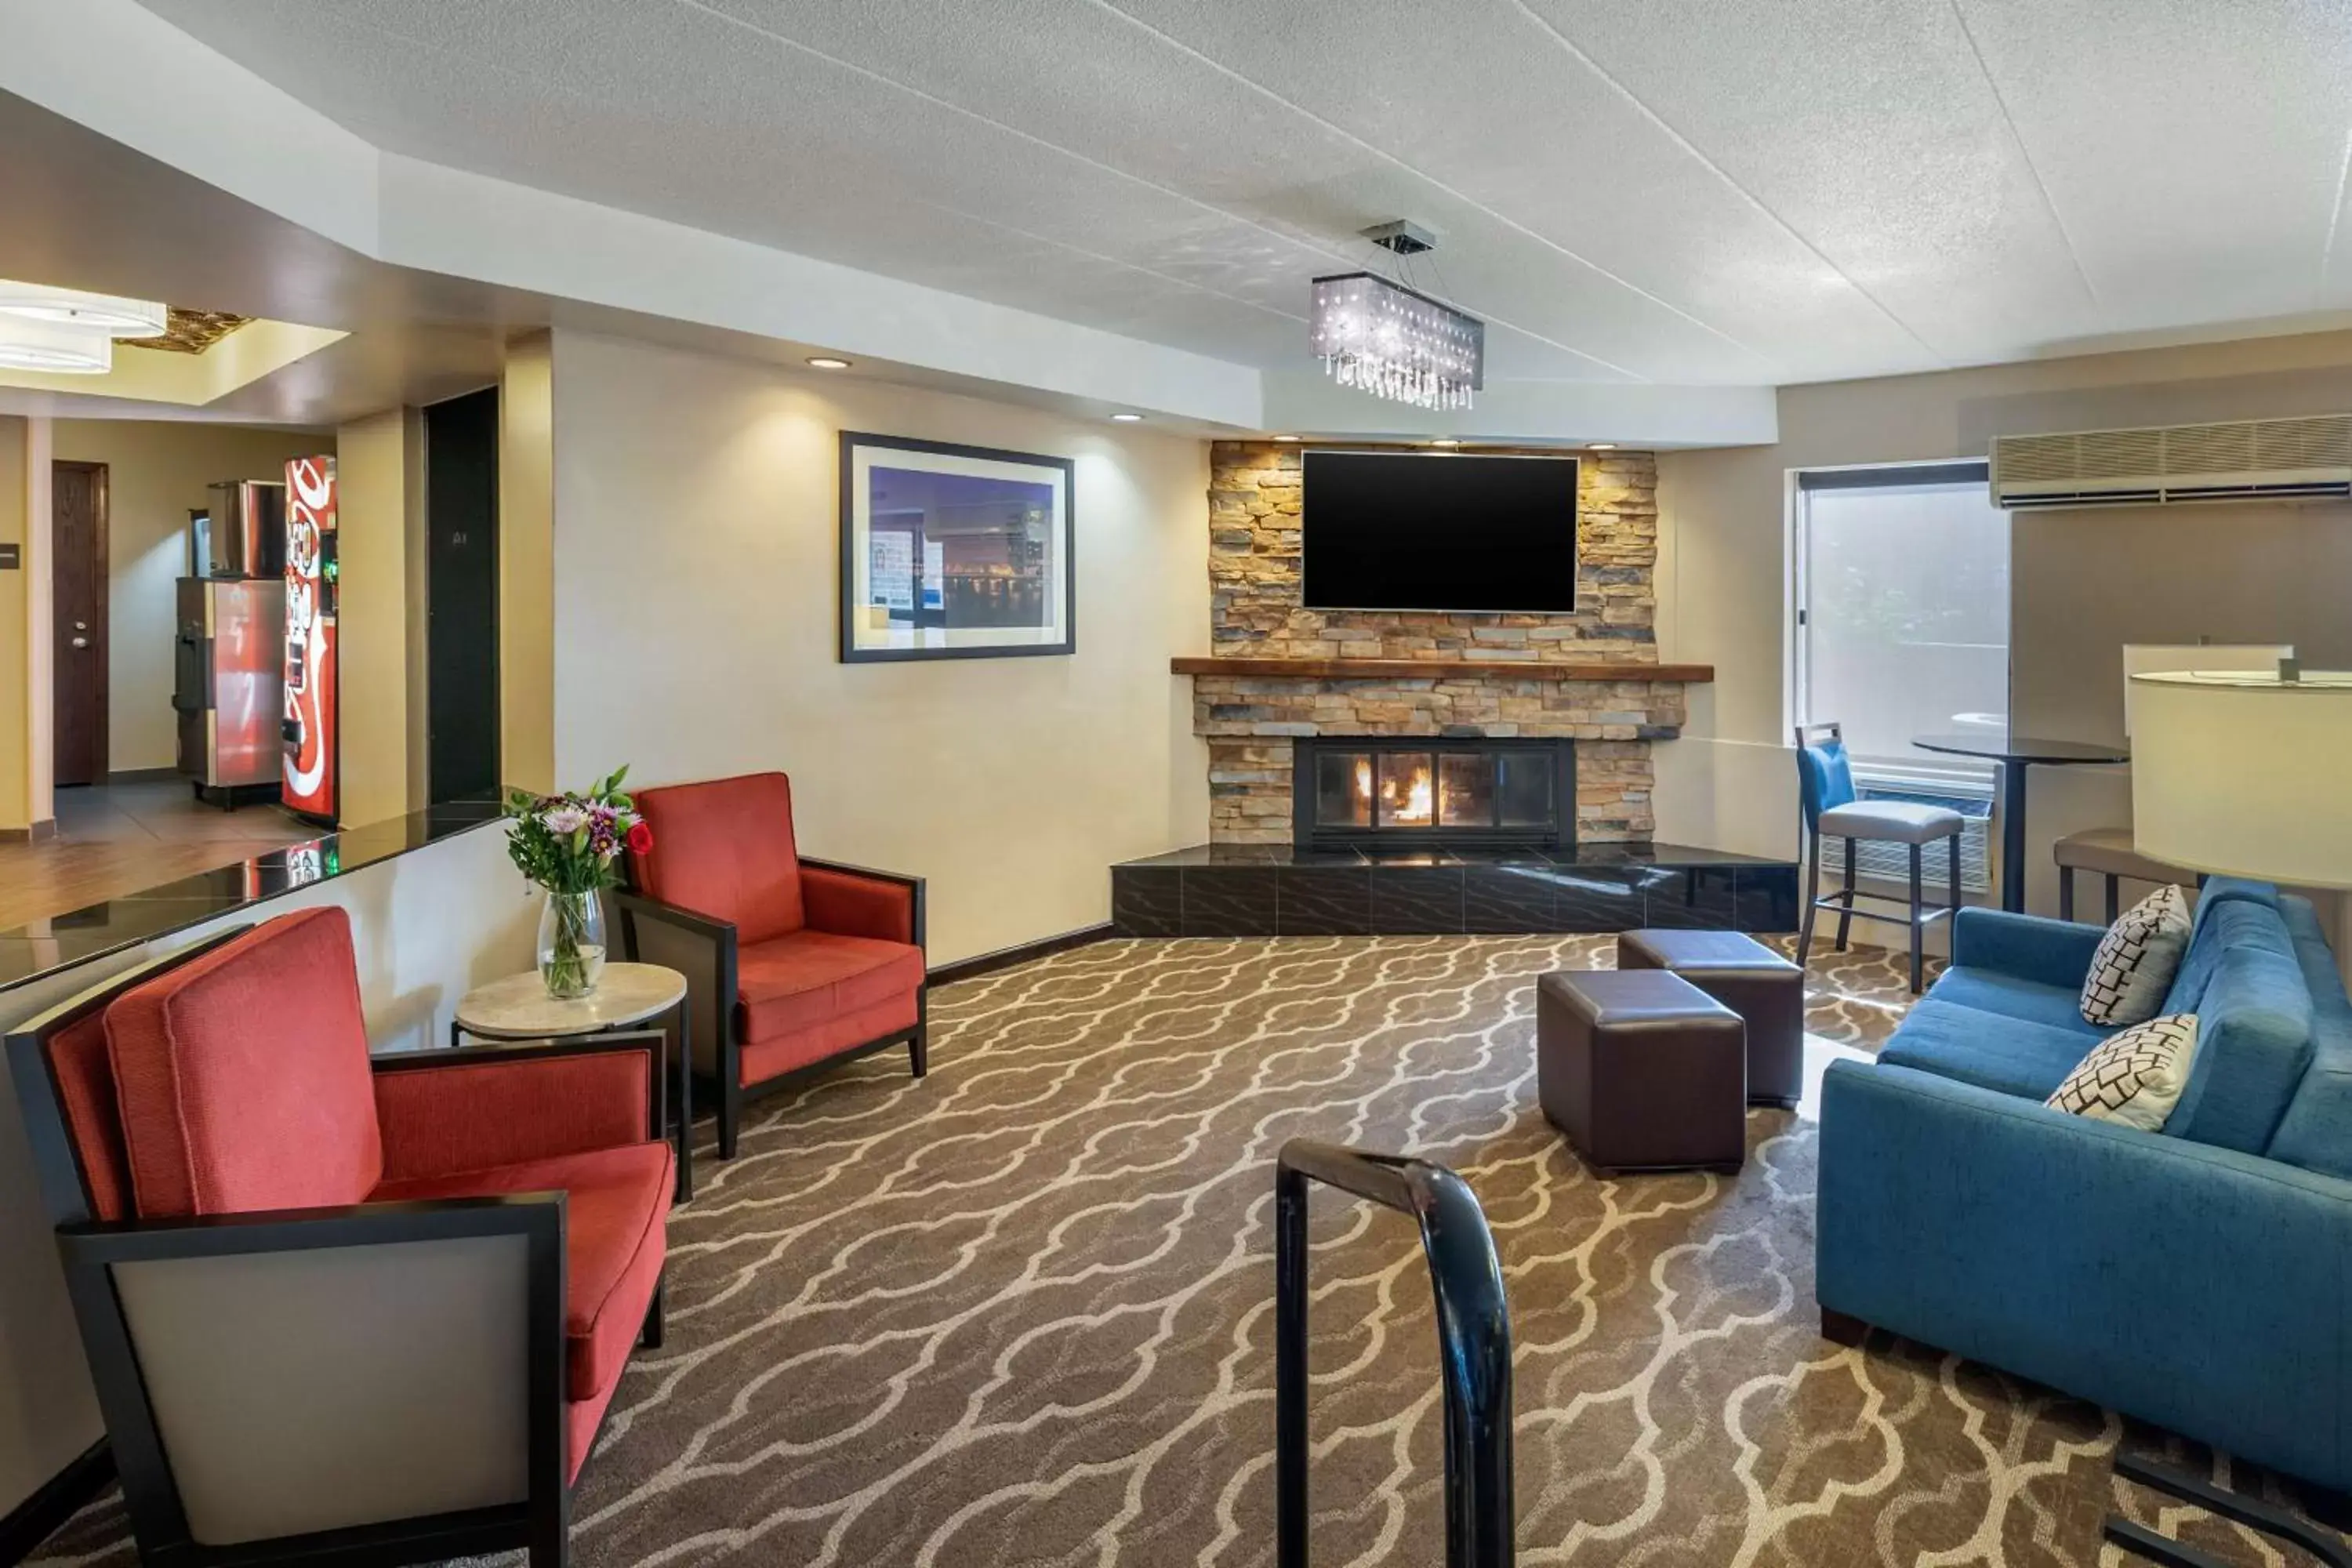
x=953, y=551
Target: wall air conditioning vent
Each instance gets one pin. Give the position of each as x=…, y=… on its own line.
x=2246, y=459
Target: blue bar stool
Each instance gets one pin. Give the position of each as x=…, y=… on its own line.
x=1834, y=809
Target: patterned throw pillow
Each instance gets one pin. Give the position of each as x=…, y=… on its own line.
x=2136, y=962
x=2134, y=1076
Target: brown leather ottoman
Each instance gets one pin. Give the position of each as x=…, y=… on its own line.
x=1765, y=990
x=1641, y=1069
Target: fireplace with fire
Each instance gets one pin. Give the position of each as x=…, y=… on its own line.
x=1428, y=791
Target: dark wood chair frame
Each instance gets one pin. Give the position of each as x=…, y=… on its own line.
x=2114, y=892
x=1918, y=915
x=730, y=1093
x=89, y=1249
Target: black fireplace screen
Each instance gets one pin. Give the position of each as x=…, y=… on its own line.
x=1434, y=790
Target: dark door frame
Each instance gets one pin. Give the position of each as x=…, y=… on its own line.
x=60, y=633
x=461, y=653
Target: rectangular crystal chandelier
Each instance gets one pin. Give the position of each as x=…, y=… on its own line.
x=1382, y=338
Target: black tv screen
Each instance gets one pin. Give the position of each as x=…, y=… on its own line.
x=1412, y=531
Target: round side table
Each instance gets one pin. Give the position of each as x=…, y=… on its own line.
x=517, y=1007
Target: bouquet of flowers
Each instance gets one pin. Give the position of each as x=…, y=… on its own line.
x=567, y=844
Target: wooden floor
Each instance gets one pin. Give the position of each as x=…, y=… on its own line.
x=117, y=839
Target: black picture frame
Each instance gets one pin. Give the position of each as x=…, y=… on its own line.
x=1062, y=471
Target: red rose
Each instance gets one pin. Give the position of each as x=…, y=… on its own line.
x=641, y=839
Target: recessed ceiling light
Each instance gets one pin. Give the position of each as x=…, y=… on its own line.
x=47, y=346
x=1600, y=446
x=1128, y=418
x=107, y=313
x=1286, y=437
x=1446, y=441
x=826, y=361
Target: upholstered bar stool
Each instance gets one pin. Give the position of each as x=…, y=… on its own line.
x=1834, y=809
x=2108, y=852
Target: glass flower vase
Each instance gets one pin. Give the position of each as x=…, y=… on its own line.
x=570, y=943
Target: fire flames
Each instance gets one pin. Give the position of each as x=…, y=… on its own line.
x=1407, y=802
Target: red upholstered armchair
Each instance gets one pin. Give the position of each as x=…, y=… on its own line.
x=792, y=964
x=341, y=1308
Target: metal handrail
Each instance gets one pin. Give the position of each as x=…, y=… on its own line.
x=1474, y=1343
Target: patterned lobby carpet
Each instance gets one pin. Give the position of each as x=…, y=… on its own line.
x=1021, y=1313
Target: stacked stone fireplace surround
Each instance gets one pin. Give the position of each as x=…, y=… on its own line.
x=1249, y=722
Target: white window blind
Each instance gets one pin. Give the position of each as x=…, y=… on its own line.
x=1901, y=629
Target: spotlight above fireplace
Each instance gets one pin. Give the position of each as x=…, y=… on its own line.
x=1430, y=792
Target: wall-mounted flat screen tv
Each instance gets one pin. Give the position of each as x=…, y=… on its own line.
x=1435, y=530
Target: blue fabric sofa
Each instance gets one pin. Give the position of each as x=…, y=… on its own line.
x=2199, y=1278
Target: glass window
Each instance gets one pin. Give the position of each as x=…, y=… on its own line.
x=1343, y=789
x=1525, y=788
x=1465, y=790
x=1405, y=789
x=1902, y=622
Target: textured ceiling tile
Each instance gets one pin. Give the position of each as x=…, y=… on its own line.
x=2196, y=150
x=1670, y=190
x=1866, y=127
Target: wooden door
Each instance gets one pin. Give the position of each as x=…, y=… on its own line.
x=77, y=619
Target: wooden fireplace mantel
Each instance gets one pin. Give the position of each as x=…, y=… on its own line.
x=1435, y=669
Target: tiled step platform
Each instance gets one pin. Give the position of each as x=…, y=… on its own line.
x=1275, y=890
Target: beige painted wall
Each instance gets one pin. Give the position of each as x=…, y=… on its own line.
x=527, y=543
x=375, y=469
x=696, y=609
x=157, y=470
x=2084, y=582
x=40, y=687
x=16, y=736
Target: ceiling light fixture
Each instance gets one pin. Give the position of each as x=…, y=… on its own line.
x=1128, y=418
x=29, y=344
x=1446, y=441
x=1393, y=341
x=1600, y=446
x=1286, y=437
x=826, y=361
x=109, y=313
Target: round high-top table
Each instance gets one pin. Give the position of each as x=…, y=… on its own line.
x=2015, y=753
x=517, y=1007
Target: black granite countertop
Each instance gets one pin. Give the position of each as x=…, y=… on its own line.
x=44, y=946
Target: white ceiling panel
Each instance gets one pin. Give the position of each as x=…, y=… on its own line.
x=1867, y=128
x=2196, y=149
x=1670, y=191
x=1493, y=109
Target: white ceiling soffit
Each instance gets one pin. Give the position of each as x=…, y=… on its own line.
x=97, y=62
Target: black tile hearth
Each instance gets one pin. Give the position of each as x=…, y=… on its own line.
x=1332, y=898
x=1230, y=901
x=1765, y=900
x=1228, y=891
x=1147, y=899
x=1695, y=897
x=1600, y=898
x=1412, y=901
x=1221, y=855
x=1503, y=899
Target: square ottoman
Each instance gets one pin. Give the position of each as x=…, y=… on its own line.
x=1641, y=1069
x=1765, y=990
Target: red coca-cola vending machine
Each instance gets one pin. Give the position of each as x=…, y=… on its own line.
x=311, y=785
